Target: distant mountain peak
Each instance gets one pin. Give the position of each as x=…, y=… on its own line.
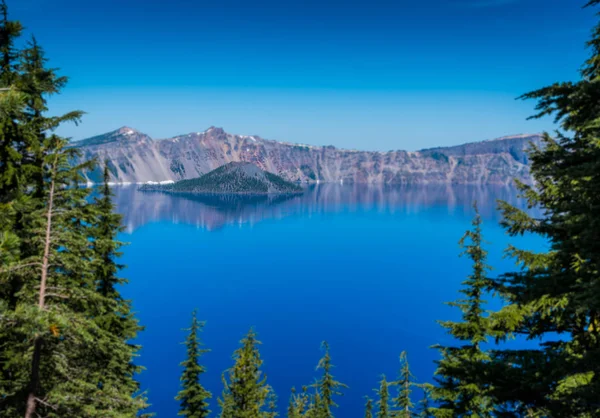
x=126, y=130
x=137, y=158
x=123, y=134
x=509, y=137
x=215, y=131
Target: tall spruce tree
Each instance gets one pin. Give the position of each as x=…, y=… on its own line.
x=460, y=390
x=193, y=397
x=37, y=82
x=402, y=402
x=10, y=30
x=291, y=410
x=368, y=407
x=299, y=403
x=246, y=391
x=327, y=386
x=271, y=404
x=57, y=358
x=555, y=297
x=425, y=408
x=13, y=185
x=383, y=398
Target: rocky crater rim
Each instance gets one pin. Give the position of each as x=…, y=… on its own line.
x=213, y=131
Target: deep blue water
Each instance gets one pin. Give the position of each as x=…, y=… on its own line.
x=366, y=268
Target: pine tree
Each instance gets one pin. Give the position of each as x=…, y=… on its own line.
x=14, y=136
x=10, y=30
x=425, y=408
x=383, y=401
x=37, y=82
x=555, y=297
x=271, y=404
x=13, y=187
x=58, y=356
x=51, y=313
x=296, y=405
x=245, y=392
x=193, y=397
x=369, y=408
x=460, y=391
x=402, y=403
x=327, y=386
x=113, y=367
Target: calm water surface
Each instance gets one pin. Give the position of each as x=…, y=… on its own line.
x=366, y=268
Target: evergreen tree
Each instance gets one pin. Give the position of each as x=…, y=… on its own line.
x=425, y=409
x=297, y=404
x=554, y=298
x=271, y=404
x=50, y=314
x=291, y=411
x=383, y=401
x=327, y=386
x=10, y=30
x=193, y=397
x=113, y=368
x=37, y=82
x=369, y=408
x=13, y=185
x=13, y=135
x=402, y=403
x=460, y=391
x=245, y=391
x=58, y=356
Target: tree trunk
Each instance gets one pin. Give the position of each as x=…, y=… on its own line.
x=37, y=345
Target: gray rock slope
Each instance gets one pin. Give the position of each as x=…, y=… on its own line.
x=135, y=157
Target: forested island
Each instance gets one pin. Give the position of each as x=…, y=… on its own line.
x=232, y=178
x=67, y=335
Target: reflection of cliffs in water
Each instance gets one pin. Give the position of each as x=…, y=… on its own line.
x=215, y=211
x=206, y=211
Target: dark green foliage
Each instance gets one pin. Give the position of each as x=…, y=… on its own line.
x=193, y=397
x=460, y=391
x=282, y=185
x=63, y=326
x=246, y=391
x=308, y=172
x=369, y=408
x=383, y=399
x=402, y=402
x=327, y=385
x=177, y=167
x=60, y=348
x=298, y=404
x=439, y=156
x=320, y=403
x=425, y=408
x=555, y=298
x=10, y=30
x=271, y=404
x=232, y=178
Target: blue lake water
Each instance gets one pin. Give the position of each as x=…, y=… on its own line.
x=366, y=268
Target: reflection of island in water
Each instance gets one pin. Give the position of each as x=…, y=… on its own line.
x=216, y=211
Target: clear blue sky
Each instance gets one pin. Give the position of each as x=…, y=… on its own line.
x=366, y=74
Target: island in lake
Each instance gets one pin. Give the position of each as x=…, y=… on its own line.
x=231, y=178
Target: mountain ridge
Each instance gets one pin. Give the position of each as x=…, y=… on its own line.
x=135, y=157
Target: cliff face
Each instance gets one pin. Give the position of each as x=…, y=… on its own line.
x=135, y=157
